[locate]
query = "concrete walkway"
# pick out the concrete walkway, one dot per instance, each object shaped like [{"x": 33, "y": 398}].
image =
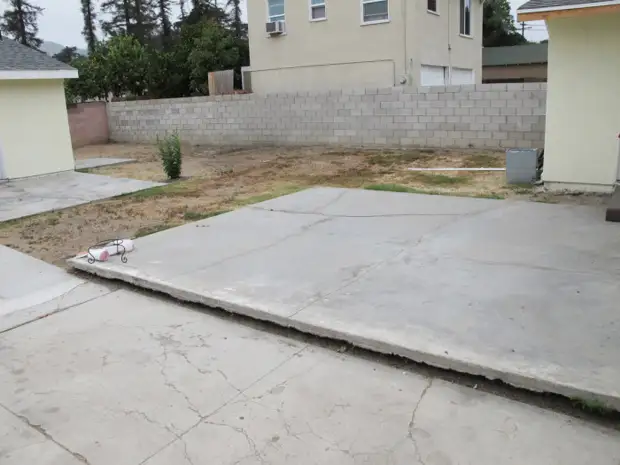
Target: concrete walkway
[
  {"x": 25, "y": 197},
  {"x": 524, "y": 292},
  {"x": 90, "y": 163},
  {"x": 130, "y": 379},
  {"x": 32, "y": 289}
]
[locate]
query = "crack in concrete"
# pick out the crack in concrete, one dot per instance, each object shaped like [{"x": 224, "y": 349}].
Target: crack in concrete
[
  {"x": 59, "y": 310},
  {"x": 411, "y": 425},
  {"x": 302, "y": 230},
  {"x": 331, "y": 202},
  {"x": 229, "y": 401},
  {"x": 327, "y": 215},
  {"x": 251, "y": 443},
  {"x": 41, "y": 430}
]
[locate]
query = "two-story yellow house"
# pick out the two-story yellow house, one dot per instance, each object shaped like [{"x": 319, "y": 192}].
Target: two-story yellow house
[{"x": 314, "y": 45}]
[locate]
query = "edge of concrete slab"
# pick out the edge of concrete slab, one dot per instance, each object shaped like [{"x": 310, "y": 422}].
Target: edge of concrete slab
[{"x": 440, "y": 360}]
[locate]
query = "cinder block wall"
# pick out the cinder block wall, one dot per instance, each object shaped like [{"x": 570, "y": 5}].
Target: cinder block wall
[
  {"x": 88, "y": 124},
  {"x": 482, "y": 115}
]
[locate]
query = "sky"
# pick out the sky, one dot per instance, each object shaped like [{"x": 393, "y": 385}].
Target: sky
[{"x": 61, "y": 22}]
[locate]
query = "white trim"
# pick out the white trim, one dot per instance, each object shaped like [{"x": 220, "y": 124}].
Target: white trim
[
  {"x": 311, "y": 6},
  {"x": 431, "y": 12},
  {"x": 570, "y": 7},
  {"x": 462, "y": 19},
  {"x": 378, "y": 21},
  {"x": 51, "y": 74}
]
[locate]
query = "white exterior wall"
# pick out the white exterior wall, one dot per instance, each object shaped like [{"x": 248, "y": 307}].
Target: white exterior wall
[
  {"x": 34, "y": 129},
  {"x": 342, "y": 53},
  {"x": 583, "y": 103},
  {"x": 435, "y": 39}
]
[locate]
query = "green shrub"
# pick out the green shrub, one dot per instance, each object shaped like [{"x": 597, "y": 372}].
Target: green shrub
[{"x": 170, "y": 153}]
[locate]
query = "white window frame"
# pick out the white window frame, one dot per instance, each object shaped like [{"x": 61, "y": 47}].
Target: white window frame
[
  {"x": 379, "y": 21},
  {"x": 311, "y": 7},
  {"x": 462, "y": 23},
  {"x": 269, "y": 16},
  {"x": 436, "y": 10}
]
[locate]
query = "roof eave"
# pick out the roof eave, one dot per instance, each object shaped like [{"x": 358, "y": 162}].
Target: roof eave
[
  {"x": 566, "y": 11},
  {"x": 13, "y": 75}
]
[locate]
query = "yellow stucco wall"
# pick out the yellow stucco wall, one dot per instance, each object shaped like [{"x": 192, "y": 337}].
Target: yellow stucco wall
[
  {"x": 583, "y": 102},
  {"x": 34, "y": 129},
  {"x": 340, "y": 52}
]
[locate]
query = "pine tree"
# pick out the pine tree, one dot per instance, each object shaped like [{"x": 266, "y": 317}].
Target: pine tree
[
  {"x": 145, "y": 20},
  {"x": 182, "y": 7},
  {"x": 237, "y": 22},
  {"x": 88, "y": 12},
  {"x": 120, "y": 15},
  {"x": 164, "y": 20},
  {"x": 131, "y": 17},
  {"x": 19, "y": 21}
]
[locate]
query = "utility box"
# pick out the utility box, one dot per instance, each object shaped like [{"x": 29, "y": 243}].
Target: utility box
[{"x": 523, "y": 166}]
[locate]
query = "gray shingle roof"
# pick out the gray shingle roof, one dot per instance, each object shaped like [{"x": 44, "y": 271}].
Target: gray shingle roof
[
  {"x": 536, "y": 4},
  {"x": 17, "y": 57},
  {"x": 515, "y": 55}
]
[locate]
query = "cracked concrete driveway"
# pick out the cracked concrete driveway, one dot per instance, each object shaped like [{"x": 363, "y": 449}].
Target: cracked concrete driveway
[
  {"x": 520, "y": 291},
  {"x": 131, "y": 379},
  {"x": 25, "y": 197}
]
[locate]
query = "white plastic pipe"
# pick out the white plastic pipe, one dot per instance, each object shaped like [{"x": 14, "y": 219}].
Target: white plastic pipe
[{"x": 456, "y": 169}]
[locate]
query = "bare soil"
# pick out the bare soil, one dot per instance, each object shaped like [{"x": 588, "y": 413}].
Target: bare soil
[{"x": 217, "y": 180}]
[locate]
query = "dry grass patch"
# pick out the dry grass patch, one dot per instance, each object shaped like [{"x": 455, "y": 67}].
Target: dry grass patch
[{"x": 219, "y": 181}]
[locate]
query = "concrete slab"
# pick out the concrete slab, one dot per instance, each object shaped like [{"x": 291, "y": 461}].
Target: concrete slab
[
  {"x": 523, "y": 292},
  {"x": 91, "y": 163},
  {"x": 32, "y": 289},
  {"x": 129, "y": 379},
  {"x": 20, "y": 443},
  {"x": 25, "y": 197}
]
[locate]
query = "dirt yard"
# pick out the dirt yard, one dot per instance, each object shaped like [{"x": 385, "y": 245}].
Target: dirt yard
[{"x": 218, "y": 180}]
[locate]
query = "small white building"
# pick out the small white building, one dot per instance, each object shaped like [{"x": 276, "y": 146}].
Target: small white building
[
  {"x": 582, "y": 149},
  {"x": 318, "y": 45},
  {"x": 34, "y": 128}
]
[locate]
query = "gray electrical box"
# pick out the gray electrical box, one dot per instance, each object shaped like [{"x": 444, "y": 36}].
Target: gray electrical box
[{"x": 523, "y": 166}]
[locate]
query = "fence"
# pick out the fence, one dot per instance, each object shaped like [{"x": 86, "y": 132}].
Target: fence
[
  {"x": 88, "y": 124},
  {"x": 482, "y": 115}
]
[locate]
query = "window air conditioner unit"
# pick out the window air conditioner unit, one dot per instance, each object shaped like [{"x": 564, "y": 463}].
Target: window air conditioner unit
[{"x": 275, "y": 28}]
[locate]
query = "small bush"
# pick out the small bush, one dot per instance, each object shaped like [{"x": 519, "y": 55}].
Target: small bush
[{"x": 170, "y": 153}]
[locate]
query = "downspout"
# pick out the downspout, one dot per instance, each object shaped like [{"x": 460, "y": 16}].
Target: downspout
[
  {"x": 449, "y": 43},
  {"x": 405, "y": 77}
]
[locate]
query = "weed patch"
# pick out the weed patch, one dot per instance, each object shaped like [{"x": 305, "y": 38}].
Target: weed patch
[
  {"x": 440, "y": 179},
  {"x": 483, "y": 160},
  {"x": 148, "y": 230},
  {"x": 197, "y": 216}
]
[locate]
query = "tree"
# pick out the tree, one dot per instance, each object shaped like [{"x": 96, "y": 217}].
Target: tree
[
  {"x": 164, "y": 21},
  {"x": 92, "y": 82},
  {"x": 67, "y": 54},
  {"x": 214, "y": 49},
  {"x": 145, "y": 20},
  {"x": 204, "y": 10},
  {"x": 126, "y": 65},
  {"x": 498, "y": 28},
  {"x": 119, "y": 14},
  {"x": 89, "y": 30},
  {"x": 237, "y": 22},
  {"x": 19, "y": 22}
]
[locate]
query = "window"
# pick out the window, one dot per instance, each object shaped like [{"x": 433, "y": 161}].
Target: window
[
  {"x": 465, "y": 17},
  {"x": 317, "y": 10},
  {"x": 374, "y": 11},
  {"x": 431, "y": 5},
  {"x": 276, "y": 10}
]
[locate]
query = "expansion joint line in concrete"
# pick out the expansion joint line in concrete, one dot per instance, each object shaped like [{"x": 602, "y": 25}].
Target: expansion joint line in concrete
[{"x": 41, "y": 430}]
